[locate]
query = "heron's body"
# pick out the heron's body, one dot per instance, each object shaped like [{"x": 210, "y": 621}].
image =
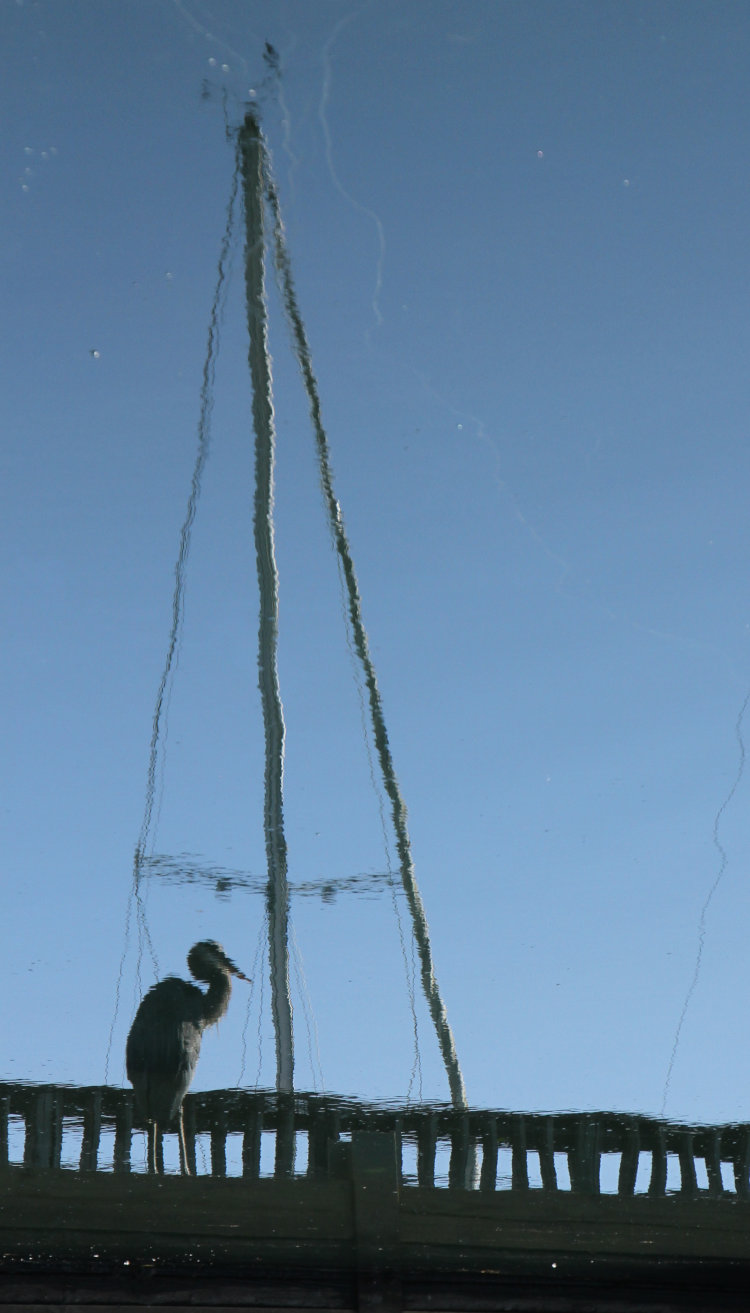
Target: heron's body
[{"x": 165, "y": 1038}]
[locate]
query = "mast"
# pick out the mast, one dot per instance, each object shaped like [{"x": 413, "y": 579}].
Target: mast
[
  {"x": 277, "y": 892},
  {"x": 355, "y": 617}
]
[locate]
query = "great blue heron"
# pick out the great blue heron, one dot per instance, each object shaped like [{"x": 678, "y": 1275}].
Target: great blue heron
[{"x": 165, "y": 1038}]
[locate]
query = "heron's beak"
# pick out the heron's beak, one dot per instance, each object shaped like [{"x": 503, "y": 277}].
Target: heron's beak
[{"x": 236, "y": 971}]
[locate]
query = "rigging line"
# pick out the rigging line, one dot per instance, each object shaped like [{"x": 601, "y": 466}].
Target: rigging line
[
  {"x": 144, "y": 937},
  {"x": 211, "y": 36},
  {"x": 277, "y": 897},
  {"x": 325, "y": 93},
  {"x": 250, "y": 1000},
  {"x": 341, "y": 544},
  {"x": 204, "y": 427},
  {"x": 226, "y": 260},
  {"x": 159, "y": 800},
  {"x": 308, "y": 1012},
  {"x": 417, "y": 1067},
  {"x": 178, "y": 596},
  {"x": 408, "y": 974},
  {"x": 275, "y": 66},
  {"x": 118, "y": 987},
  {"x": 723, "y": 863},
  {"x": 260, "y": 1014},
  {"x": 163, "y": 695}
]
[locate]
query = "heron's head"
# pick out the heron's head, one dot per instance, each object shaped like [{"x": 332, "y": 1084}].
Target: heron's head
[{"x": 208, "y": 957}]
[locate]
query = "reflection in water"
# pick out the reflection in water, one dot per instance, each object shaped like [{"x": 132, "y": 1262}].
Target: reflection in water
[
  {"x": 338, "y": 184},
  {"x": 723, "y": 860},
  {"x": 599, "y": 1202},
  {"x": 178, "y": 597},
  {"x": 253, "y": 164},
  {"x": 165, "y": 1039},
  {"x": 161, "y": 705},
  {"x": 190, "y": 868},
  {"x": 262, "y": 1133},
  {"x": 362, "y": 648},
  {"x": 277, "y": 897}
]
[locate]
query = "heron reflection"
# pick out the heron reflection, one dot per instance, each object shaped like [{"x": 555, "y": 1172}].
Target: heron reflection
[{"x": 165, "y": 1038}]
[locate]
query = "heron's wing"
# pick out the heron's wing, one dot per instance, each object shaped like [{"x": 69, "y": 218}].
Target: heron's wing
[{"x": 163, "y": 1047}]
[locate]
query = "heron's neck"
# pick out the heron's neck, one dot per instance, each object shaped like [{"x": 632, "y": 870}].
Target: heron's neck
[{"x": 216, "y": 998}]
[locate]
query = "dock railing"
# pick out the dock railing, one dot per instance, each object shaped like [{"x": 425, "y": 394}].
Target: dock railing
[{"x": 254, "y": 1133}]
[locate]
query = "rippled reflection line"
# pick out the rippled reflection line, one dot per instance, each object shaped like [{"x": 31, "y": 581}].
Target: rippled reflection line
[
  {"x": 341, "y": 544},
  {"x": 341, "y": 189},
  {"x": 308, "y": 1013},
  {"x": 723, "y": 863},
  {"x": 187, "y": 868},
  {"x": 251, "y": 996},
  {"x": 210, "y": 36},
  {"x": 260, "y": 1012},
  {"x": 178, "y": 596},
  {"x": 178, "y": 602},
  {"x": 286, "y": 127},
  {"x": 118, "y": 987},
  {"x": 409, "y": 975},
  {"x": 250, "y": 156}
]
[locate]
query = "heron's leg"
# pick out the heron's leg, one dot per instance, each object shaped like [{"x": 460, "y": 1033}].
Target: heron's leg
[
  {"x": 184, "y": 1165},
  {"x": 159, "y": 1137},
  {"x": 151, "y": 1152}
]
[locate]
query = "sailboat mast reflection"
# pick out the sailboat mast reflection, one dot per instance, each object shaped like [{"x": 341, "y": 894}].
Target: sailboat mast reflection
[
  {"x": 277, "y": 893},
  {"x": 258, "y": 179},
  {"x": 253, "y": 170}
]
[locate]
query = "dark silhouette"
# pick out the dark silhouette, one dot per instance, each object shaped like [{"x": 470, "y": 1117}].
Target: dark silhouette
[
  {"x": 272, "y": 58},
  {"x": 165, "y": 1038}
]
